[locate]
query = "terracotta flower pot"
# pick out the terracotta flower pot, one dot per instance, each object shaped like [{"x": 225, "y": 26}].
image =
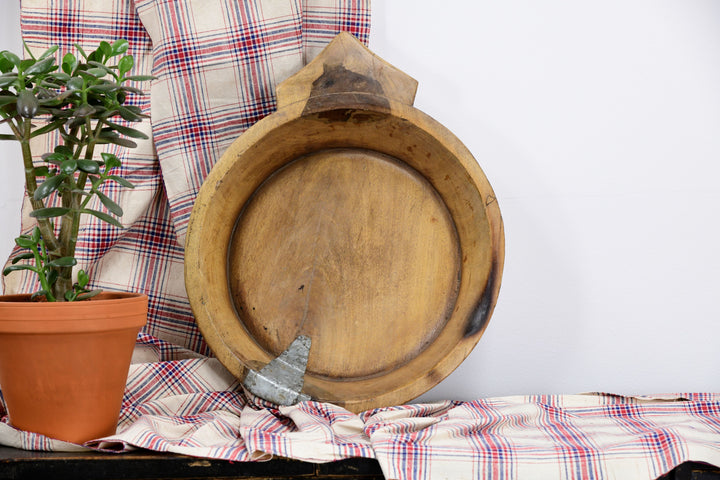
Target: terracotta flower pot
[{"x": 63, "y": 366}]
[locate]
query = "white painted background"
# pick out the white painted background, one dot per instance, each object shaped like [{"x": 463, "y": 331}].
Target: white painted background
[{"x": 598, "y": 125}]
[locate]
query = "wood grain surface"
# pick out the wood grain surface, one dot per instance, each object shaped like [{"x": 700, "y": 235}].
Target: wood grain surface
[{"x": 346, "y": 244}]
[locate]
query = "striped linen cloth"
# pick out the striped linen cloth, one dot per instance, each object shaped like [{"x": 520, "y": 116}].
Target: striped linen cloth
[
  {"x": 193, "y": 406},
  {"x": 218, "y": 62}
]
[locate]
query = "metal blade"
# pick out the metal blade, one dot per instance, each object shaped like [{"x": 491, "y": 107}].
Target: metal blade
[{"x": 281, "y": 380}]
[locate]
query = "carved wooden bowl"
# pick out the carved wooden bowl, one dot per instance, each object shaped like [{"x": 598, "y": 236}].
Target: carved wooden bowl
[{"x": 353, "y": 218}]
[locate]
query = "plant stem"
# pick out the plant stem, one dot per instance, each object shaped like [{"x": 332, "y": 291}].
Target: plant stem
[
  {"x": 42, "y": 277},
  {"x": 71, "y": 220},
  {"x": 45, "y": 225}
]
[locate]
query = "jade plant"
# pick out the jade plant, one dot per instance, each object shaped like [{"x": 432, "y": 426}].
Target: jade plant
[{"x": 79, "y": 102}]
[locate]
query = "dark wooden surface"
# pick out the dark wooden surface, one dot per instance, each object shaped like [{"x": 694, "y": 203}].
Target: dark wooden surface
[
  {"x": 695, "y": 471},
  {"x": 20, "y": 464}
]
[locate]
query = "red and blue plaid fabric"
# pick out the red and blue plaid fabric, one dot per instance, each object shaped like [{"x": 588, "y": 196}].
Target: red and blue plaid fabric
[
  {"x": 193, "y": 406},
  {"x": 218, "y": 62},
  {"x": 547, "y": 436}
]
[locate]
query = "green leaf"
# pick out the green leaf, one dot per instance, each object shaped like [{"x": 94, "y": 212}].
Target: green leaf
[
  {"x": 87, "y": 295},
  {"x": 49, "y": 83},
  {"x": 39, "y": 293},
  {"x": 7, "y": 99},
  {"x": 9, "y": 80},
  {"x": 52, "y": 277},
  {"x": 88, "y": 77},
  {"x": 84, "y": 110},
  {"x": 5, "y": 64},
  {"x": 106, "y": 49},
  {"x": 43, "y": 66},
  {"x": 64, "y": 150},
  {"x": 97, "y": 72},
  {"x": 62, "y": 262},
  {"x": 83, "y": 278},
  {"x": 15, "y": 268},
  {"x": 49, "y": 212},
  {"x": 58, "y": 114},
  {"x": 26, "y": 63},
  {"x": 46, "y": 95},
  {"x": 96, "y": 55},
  {"x": 134, "y": 90},
  {"x": 103, "y": 216},
  {"x": 75, "y": 83},
  {"x": 125, "y": 64},
  {"x": 61, "y": 77},
  {"x": 121, "y": 181},
  {"x": 11, "y": 57},
  {"x": 42, "y": 171},
  {"x": 27, "y": 49},
  {"x": 49, "y": 52},
  {"x": 123, "y": 142},
  {"x": 56, "y": 158},
  {"x": 110, "y": 204},
  {"x": 111, "y": 161},
  {"x": 24, "y": 241},
  {"x": 141, "y": 78},
  {"x": 100, "y": 111},
  {"x": 69, "y": 63},
  {"x": 50, "y": 127},
  {"x": 69, "y": 138},
  {"x": 104, "y": 87},
  {"x": 7, "y": 136},
  {"x": 100, "y": 65},
  {"x": 119, "y": 47},
  {"x": 35, "y": 235},
  {"x": 130, "y": 115},
  {"x": 68, "y": 167},
  {"x": 88, "y": 166},
  {"x": 23, "y": 256},
  {"x": 130, "y": 132},
  {"x": 48, "y": 186},
  {"x": 82, "y": 52},
  {"x": 74, "y": 122}
]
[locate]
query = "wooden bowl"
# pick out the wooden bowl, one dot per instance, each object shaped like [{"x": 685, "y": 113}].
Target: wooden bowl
[{"x": 353, "y": 218}]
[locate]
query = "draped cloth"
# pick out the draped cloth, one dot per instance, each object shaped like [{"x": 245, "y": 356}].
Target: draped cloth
[{"x": 217, "y": 63}]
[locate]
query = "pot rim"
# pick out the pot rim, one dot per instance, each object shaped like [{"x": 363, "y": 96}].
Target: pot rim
[
  {"x": 123, "y": 310},
  {"x": 103, "y": 297}
]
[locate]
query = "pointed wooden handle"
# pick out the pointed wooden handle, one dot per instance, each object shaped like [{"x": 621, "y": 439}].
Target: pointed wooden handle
[{"x": 346, "y": 73}]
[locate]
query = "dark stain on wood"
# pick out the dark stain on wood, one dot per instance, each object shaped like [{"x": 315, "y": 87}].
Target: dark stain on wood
[
  {"x": 481, "y": 314},
  {"x": 338, "y": 85}
]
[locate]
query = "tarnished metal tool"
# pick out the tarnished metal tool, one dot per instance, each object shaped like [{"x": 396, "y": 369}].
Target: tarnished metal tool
[{"x": 281, "y": 380}]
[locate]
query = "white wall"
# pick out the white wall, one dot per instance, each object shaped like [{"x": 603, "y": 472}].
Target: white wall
[
  {"x": 598, "y": 125},
  {"x": 11, "y": 176}
]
